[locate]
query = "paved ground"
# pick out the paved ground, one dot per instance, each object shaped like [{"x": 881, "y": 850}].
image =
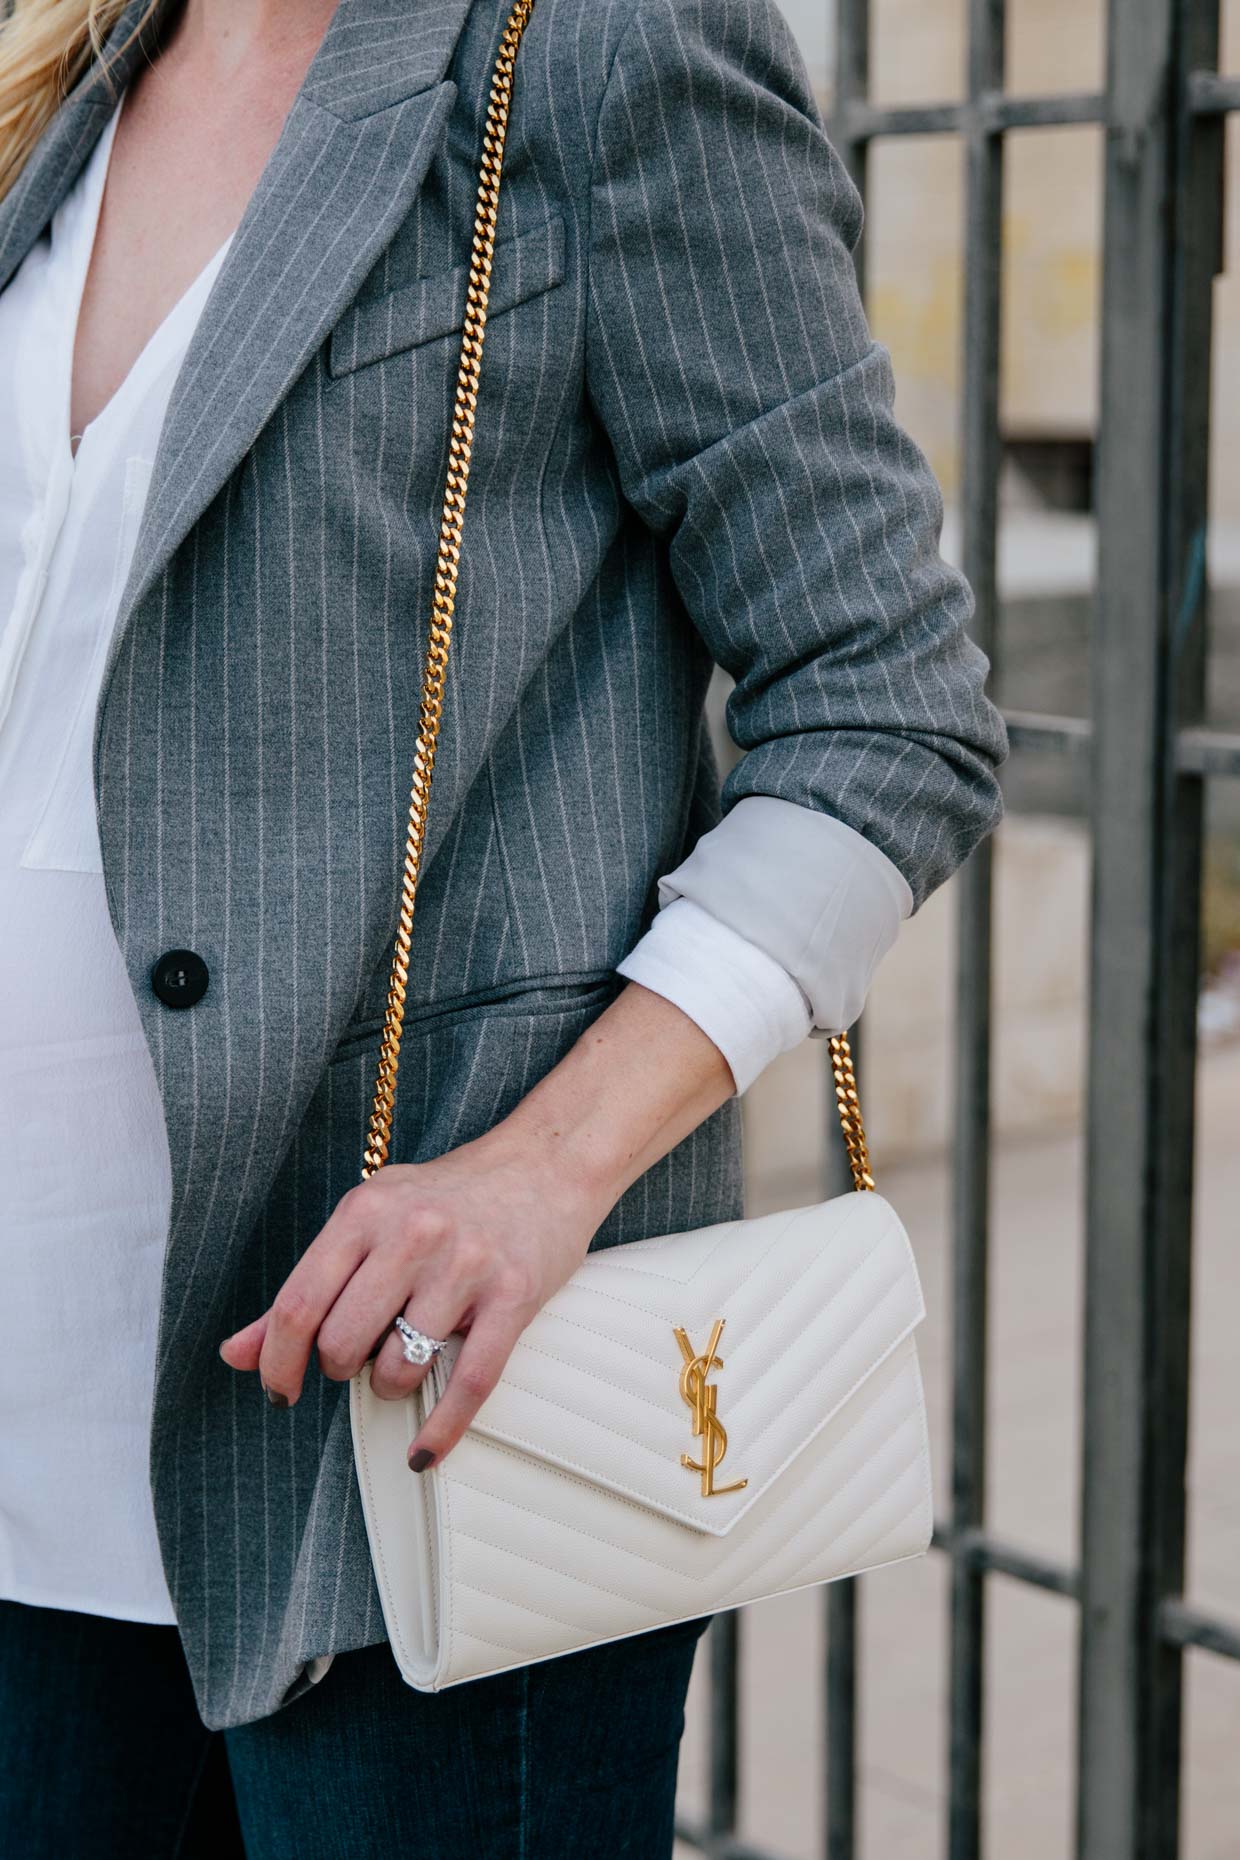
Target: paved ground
[{"x": 1035, "y": 1378}]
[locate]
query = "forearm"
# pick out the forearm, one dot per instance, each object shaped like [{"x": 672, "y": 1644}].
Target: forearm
[{"x": 640, "y": 1078}]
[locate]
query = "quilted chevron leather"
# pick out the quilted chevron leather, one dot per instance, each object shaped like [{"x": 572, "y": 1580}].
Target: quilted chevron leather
[{"x": 565, "y": 1517}]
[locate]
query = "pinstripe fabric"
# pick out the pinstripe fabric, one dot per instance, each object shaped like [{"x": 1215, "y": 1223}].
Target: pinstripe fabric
[{"x": 686, "y": 449}]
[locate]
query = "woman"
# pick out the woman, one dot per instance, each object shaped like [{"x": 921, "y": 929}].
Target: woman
[{"x": 225, "y": 387}]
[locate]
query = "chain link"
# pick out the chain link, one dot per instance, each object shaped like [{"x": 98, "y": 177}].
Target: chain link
[
  {"x": 434, "y": 676},
  {"x": 849, "y": 1107}
]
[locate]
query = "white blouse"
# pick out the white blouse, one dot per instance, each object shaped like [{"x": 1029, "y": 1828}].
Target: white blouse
[{"x": 84, "y": 1170}]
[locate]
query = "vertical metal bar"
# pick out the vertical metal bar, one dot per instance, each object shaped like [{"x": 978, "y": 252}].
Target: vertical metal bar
[
  {"x": 971, "y": 1148},
  {"x": 1196, "y": 255},
  {"x": 1147, "y": 674},
  {"x": 852, "y": 86},
  {"x": 840, "y": 1808},
  {"x": 724, "y": 1641},
  {"x": 841, "y": 1600}
]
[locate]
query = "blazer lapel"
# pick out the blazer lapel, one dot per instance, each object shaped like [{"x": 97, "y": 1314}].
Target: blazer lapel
[{"x": 353, "y": 152}]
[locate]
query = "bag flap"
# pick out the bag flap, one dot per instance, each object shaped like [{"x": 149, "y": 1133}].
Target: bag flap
[{"x": 601, "y": 1387}]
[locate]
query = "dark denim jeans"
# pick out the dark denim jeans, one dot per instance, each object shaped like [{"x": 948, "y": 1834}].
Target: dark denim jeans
[{"x": 103, "y": 1754}]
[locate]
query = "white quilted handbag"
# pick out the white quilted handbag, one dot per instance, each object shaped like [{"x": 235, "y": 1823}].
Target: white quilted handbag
[
  {"x": 589, "y": 1498},
  {"x": 568, "y": 1513}
]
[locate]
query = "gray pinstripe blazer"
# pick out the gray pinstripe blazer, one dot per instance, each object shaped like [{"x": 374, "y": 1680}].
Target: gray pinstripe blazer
[{"x": 686, "y": 451}]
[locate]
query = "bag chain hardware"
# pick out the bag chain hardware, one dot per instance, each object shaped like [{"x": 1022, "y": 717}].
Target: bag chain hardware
[{"x": 440, "y": 634}]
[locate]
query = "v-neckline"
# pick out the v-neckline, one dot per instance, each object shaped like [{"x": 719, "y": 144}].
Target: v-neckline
[{"x": 156, "y": 343}]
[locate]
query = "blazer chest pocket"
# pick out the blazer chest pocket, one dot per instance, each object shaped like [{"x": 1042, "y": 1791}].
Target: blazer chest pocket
[{"x": 522, "y": 267}]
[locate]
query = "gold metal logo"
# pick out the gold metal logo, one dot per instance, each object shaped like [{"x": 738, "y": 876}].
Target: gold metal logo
[{"x": 700, "y": 1396}]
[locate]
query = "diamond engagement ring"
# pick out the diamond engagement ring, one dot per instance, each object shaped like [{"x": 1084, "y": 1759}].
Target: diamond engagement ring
[{"x": 416, "y": 1346}]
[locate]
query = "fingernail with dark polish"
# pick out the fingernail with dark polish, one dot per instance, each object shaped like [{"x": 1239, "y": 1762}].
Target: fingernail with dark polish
[
  {"x": 419, "y": 1461},
  {"x": 275, "y": 1398}
]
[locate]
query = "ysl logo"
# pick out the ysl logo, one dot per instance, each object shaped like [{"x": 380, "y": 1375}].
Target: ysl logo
[{"x": 700, "y": 1396}]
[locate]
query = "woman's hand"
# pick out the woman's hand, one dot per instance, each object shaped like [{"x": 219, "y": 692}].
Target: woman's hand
[
  {"x": 479, "y": 1239},
  {"x": 475, "y": 1241}
]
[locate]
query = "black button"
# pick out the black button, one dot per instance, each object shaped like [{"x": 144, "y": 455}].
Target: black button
[{"x": 180, "y": 978}]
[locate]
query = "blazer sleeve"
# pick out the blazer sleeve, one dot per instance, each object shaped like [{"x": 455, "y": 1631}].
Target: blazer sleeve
[{"x": 751, "y": 415}]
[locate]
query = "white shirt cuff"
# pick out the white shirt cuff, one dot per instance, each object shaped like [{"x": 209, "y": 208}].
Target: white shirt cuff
[
  {"x": 812, "y": 893},
  {"x": 738, "y": 995}
]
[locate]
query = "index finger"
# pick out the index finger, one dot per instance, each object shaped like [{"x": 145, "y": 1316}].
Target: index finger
[
  {"x": 303, "y": 1301},
  {"x": 487, "y": 1347}
]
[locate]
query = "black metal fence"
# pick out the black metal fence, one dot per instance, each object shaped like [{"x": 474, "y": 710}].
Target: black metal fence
[{"x": 1147, "y": 754}]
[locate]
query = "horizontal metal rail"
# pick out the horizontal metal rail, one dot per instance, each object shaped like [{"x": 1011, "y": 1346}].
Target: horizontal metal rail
[
  {"x": 1210, "y": 94},
  {"x": 981, "y": 1550},
  {"x": 989, "y": 114},
  {"x": 1031, "y": 730},
  {"x": 994, "y": 112},
  {"x": 1183, "y": 1626},
  {"x": 1199, "y": 750},
  {"x": 1180, "y": 1624}
]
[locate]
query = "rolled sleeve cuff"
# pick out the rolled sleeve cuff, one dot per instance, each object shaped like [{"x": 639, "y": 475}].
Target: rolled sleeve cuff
[
  {"x": 807, "y": 890},
  {"x": 738, "y": 995}
]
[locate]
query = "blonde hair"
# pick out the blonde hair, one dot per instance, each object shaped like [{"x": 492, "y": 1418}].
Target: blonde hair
[{"x": 45, "y": 46}]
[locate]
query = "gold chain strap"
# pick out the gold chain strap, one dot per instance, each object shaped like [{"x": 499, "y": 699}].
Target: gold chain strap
[
  {"x": 446, "y": 564},
  {"x": 435, "y": 669},
  {"x": 849, "y": 1107}
]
